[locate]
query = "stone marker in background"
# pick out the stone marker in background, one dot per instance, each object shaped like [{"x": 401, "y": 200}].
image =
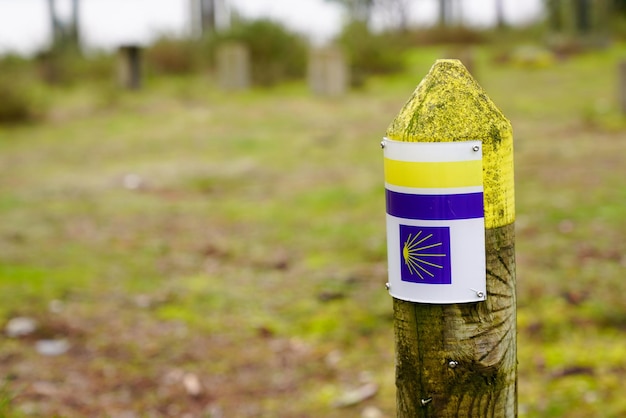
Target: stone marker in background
[
  {"x": 328, "y": 72},
  {"x": 129, "y": 66},
  {"x": 233, "y": 67}
]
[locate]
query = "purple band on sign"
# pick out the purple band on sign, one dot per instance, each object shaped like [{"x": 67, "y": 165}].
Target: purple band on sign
[{"x": 435, "y": 207}]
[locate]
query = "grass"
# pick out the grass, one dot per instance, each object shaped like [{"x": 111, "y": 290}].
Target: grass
[{"x": 181, "y": 232}]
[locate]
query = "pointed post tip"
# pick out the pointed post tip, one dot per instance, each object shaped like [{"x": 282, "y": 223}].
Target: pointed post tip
[
  {"x": 450, "y": 68},
  {"x": 449, "y": 105}
]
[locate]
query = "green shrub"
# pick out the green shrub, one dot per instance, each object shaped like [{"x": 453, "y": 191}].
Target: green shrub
[
  {"x": 18, "y": 104},
  {"x": 458, "y": 35},
  {"x": 20, "y": 93},
  {"x": 68, "y": 67},
  {"x": 618, "y": 27},
  {"x": 371, "y": 53},
  {"x": 276, "y": 54},
  {"x": 96, "y": 67},
  {"x": 169, "y": 55},
  {"x": 12, "y": 64}
]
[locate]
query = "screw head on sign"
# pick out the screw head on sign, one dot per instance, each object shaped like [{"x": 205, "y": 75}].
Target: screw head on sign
[
  {"x": 382, "y": 144},
  {"x": 387, "y": 286},
  {"x": 476, "y": 148}
]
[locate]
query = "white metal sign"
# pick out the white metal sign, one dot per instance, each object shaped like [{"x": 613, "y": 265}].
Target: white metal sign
[{"x": 435, "y": 221}]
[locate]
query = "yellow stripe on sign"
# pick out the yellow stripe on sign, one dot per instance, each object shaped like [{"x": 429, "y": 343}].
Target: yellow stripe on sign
[{"x": 434, "y": 174}]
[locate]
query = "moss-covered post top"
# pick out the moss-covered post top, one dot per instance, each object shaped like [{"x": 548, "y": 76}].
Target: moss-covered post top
[{"x": 449, "y": 105}]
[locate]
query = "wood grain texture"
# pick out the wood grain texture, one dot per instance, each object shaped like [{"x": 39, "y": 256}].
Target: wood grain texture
[{"x": 480, "y": 338}]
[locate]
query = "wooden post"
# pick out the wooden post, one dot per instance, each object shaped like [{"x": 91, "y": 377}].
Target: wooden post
[
  {"x": 233, "y": 67},
  {"x": 460, "y": 359},
  {"x": 328, "y": 72},
  {"x": 129, "y": 66}
]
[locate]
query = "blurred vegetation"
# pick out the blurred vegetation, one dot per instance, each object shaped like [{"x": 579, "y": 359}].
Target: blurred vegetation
[
  {"x": 66, "y": 67},
  {"x": 17, "y": 104},
  {"x": 19, "y": 98},
  {"x": 179, "y": 232},
  {"x": 170, "y": 55},
  {"x": 618, "y": 27},
  {"x": 279, "y": 55},
  {"x": 446, "y": 35},
  {"x": 370, "y": 53},
  {"x": 276, "y": 53}
]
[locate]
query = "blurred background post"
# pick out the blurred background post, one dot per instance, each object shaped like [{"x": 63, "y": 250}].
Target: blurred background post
[{"x": 129, "y": 66}]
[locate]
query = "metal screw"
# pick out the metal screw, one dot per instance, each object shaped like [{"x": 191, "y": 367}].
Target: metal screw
[
  {"x": 480, "y": 294},
  {"x": 382, "y": 144},
  {"x": 476, "y": 148},
  {"x": 425, "y": 402},
  {"x": 387, "y": 285},
  {"x": 452, "y": 364}
]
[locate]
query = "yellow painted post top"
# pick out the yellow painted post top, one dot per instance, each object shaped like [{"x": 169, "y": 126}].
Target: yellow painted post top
[{"x": 449, "y": 105}]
